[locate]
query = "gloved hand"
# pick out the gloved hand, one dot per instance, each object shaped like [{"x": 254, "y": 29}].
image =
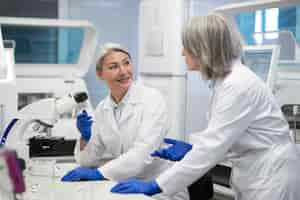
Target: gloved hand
[
  {"x": 84, "y": 124},
  {"x": 175, "y": 152},
  {"x": 136, "y": 186},
  {"x": 82, "y": 173}
]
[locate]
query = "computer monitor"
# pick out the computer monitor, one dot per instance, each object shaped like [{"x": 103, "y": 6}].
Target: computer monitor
[{"x": 262, "y": 60}]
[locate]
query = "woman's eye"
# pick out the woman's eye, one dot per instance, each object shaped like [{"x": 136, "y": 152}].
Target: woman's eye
[
  {"x": 112, "y": 67},
  {"x": 127, "y": 62}
]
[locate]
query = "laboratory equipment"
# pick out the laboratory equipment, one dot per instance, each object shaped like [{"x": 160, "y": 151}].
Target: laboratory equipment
[
  {"x": 263, "y": 61},
  {"x": 45, "y": 119},
  {"x": 8, "y": 89},
  {"x": 52, "y": 56},
  {"x": 38, "y": 143},
  {"x": 10, "y": 174},
  {"x": 11, "y": 177},
  {"x": 288, "y": 83}
]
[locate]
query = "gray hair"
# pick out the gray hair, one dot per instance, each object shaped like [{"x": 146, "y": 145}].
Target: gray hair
[
  {"x": 214, "y": 42},
  {"x": 106, "y": 49}
]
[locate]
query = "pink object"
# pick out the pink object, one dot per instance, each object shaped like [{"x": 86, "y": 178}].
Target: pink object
[{"x": 14, "y": 171}]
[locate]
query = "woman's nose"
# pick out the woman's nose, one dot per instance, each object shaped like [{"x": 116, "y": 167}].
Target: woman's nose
[{"x": 122, "y": 69}]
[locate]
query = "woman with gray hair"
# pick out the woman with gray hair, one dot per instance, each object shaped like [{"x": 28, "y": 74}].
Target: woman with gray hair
[{"x": 246, "y": 125}]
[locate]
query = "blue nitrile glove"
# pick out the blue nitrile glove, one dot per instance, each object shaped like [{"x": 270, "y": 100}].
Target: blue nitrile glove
[
  {"x": 175, "y": 152},
  {"x": 84, "y": 124},
  {"x": 82, "y": 174},
  {"x": 136, "y": 186}
]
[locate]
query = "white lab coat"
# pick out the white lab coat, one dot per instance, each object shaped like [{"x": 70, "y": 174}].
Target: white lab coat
[
  {"x": 247, "y": 126},
  {"x": 122, "y": 150}
]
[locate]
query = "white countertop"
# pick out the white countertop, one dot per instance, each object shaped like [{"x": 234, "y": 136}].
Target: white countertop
[{"x": 51, "y": 188}]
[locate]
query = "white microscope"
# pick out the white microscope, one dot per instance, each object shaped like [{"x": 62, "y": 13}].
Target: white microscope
[
  {"x": 11, "y": 178},
  {"x": 41, "y": 121},
  {"x": 37, "y": 93},
  {"x": 43, "y": 77}
]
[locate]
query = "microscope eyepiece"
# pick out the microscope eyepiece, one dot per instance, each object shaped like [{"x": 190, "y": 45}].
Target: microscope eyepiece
[{"x": 80, "y": 97}]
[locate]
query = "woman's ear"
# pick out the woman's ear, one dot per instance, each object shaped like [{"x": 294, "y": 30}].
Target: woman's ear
[{"x": 99, "y": 73}]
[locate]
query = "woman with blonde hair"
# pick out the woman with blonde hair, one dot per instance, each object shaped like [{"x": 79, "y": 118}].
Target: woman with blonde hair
[{"x": 127, "y": 126}]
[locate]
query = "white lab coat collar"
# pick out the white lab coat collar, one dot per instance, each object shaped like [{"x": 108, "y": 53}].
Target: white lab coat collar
[
  {"x": 123, "y": 101},
  {"x": 130, "y": 97}
]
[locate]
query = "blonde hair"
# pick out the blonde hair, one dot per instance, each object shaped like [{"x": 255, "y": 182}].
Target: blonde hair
[
  {"x": 106, "y": 49},
  {"x": 214, "y": 42}
]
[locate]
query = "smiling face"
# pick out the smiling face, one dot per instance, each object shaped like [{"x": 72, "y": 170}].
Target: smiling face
[{"x": 117, "y": 72}]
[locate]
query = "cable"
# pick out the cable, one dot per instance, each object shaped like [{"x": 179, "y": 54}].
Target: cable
[
  {"x": 7, "y": 130},
  {"x": 295, "y": 113}
]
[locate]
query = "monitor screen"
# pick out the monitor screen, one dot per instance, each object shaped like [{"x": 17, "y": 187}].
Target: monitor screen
[
  {"x": 259, "y": 61},
  {"x": 48, "y": 45}
]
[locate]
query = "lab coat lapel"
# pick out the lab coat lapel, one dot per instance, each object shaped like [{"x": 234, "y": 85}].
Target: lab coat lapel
[
  {"x": 133, "y": 100},
  {"x": 114, "y": 124},
  {"x": 126, "y": 113},
  {"x": 108, "y": 107},
  {"x": 111, "y": 134}
]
